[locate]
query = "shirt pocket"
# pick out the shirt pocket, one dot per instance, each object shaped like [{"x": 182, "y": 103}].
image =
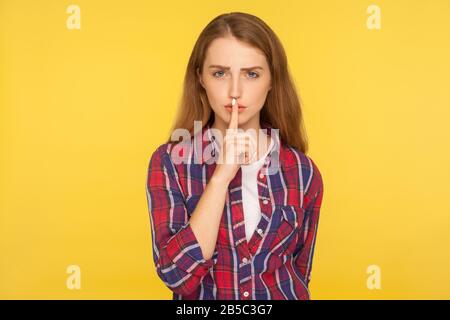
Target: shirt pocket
[{"x": 282, "y": 236}]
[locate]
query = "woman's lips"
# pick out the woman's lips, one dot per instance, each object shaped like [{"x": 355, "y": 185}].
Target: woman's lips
[
  {"x": 239, "y": 105},
  {"x": 240, "y": 108}
]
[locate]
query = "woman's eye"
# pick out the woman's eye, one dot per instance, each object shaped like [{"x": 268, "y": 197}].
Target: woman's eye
[
  {"x": 253, "y": 74},
  {"x": 220, "y": 74},
  {"x": 215, "y": 73}
]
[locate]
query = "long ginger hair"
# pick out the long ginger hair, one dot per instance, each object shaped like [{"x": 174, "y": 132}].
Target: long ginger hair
[{"x": 282, "y": 108}]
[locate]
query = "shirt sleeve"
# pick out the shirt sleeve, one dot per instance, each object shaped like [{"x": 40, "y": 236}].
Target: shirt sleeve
[
  {"x": 176, "y": 252},
  {"x": 312, "y": 201}
]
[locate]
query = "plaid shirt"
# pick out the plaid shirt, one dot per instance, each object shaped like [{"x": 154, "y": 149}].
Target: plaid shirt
[{"x": 276, "y": 262}]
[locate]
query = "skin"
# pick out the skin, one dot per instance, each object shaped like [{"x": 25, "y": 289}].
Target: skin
[
  {"x": 249, "y": 87},
  {"x": 221, "y": 86}
]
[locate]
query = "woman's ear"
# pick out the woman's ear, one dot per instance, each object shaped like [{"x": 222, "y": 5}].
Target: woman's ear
[{"x": 200, "y": 77}]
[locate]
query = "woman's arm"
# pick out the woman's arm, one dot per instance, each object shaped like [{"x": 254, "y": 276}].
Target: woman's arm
[
  {"x": 180, "y": 246},
  {"x": 205, "y": 219},
  {"x": 312, "y": 201},
  {"x": 182, "y": 249}
]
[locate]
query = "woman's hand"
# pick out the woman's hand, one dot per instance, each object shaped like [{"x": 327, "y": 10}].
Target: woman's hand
[{"x": 237, "y": 148}]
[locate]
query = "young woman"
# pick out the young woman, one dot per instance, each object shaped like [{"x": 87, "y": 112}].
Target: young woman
[{"x": 234, "y": 206}]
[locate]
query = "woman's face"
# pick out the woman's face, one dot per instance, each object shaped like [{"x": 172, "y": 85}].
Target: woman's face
[{"x": 235, "y": 69}]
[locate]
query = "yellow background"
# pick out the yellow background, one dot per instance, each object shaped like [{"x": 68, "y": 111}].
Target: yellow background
[{"x": 83, "y": 110}]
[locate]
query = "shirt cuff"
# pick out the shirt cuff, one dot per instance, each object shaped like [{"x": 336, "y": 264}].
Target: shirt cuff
[{"x": 184, "y": 250}]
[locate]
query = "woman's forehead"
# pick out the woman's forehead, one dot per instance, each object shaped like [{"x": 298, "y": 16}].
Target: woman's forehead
[{"x": 229, "y": 51}]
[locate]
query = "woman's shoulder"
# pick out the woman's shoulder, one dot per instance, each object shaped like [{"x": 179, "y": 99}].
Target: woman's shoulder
[
  {"x": 305, "y": 166},
  {"x": 158, "y": 155},
  {"x": 163, "y": 148}
]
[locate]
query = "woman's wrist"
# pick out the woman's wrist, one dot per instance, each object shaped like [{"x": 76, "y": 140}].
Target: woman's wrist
[{"x": 219, "y": 179}]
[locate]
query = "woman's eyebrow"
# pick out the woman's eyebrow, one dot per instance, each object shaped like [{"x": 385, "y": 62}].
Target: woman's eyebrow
[{"x": 228, "y": 68}]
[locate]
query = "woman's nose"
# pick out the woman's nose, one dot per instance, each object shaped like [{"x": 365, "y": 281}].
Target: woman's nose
[{"x": 235, "y": 87}]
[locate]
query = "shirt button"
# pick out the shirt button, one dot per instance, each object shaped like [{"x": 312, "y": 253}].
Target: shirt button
[
  {"x": 244, "y": 260},
  {"x": 266, "y": 201},
  {"x": 259, "y": 231},
  {"x": 246, "y": 294}
]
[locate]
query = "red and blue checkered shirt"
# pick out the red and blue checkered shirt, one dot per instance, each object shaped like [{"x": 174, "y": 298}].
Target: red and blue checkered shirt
[{"x": 276, "y": 262}]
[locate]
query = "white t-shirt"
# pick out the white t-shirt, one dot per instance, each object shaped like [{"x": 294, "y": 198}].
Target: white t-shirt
[{"x": 250, "y": 201}]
